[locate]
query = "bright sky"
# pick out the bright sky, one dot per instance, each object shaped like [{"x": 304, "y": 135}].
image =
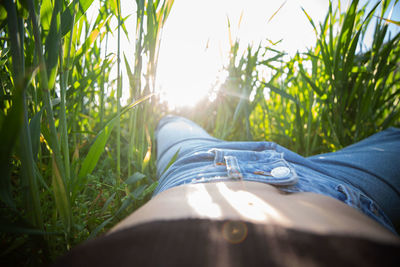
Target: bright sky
[{"x": 195, "y": 40}]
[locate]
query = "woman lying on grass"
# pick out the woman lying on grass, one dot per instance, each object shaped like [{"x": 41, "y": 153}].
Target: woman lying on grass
[{"x": 222, "y": 203}]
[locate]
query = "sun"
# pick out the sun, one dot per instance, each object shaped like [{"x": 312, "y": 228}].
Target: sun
[
  {"x": 186, "y": 73},
  {"x": 178, "y": 97}
]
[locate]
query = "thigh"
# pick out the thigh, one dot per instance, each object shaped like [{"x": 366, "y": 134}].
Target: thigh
[
  {"x": 177, "y": 134},
  {"x": 372, "y": 165}
]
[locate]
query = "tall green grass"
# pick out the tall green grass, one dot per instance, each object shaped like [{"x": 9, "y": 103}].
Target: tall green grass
[
  {"x": 59, "y": 109},
  {"x": 336, "y": 93}
]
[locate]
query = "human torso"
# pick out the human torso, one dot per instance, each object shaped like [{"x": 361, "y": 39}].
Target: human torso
[{"x": 258, "y": 203}]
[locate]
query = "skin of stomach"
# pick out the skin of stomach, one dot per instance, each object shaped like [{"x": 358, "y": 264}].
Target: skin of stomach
[{"x": 258, "y": 203}]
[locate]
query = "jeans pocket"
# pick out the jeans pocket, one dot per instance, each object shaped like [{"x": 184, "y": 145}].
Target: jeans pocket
[
  {"x": 363, "y": 203},
  {"x": 267, "y": 166}
]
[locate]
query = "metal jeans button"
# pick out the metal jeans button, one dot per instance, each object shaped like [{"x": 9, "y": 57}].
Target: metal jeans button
[{"x": 280, "y": 172}]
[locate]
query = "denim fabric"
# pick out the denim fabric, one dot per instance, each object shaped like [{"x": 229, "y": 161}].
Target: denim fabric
[{"x": 361, "y": 175}]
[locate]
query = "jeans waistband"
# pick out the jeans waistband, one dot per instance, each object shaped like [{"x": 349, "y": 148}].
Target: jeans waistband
[{"x": 264, "y": 162}]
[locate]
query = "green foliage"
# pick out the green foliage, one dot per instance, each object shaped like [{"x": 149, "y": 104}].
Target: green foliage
[
  {"x": 322, "y": 100},
  {"x": 59, "y": 109}
]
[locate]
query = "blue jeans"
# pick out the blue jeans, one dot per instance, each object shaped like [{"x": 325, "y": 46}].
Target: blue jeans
[{"x": 365, "y": 175}]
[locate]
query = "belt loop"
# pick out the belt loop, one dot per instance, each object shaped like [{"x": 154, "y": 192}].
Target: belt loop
[
  {"x": 218, "y": 156},
  {"x": 232, "y": 167}
]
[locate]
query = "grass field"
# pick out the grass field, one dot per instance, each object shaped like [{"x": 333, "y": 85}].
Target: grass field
[{"x": 75, "y": 161}]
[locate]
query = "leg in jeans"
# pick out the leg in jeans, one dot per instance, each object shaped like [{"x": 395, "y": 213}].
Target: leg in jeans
[
  {"x": 177, "y": 133},
  {"x": 372, "y": 165}
]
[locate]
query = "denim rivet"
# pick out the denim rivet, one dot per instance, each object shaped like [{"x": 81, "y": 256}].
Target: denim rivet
[
  {"x": 374, "y": 209},
  {"x": 280, "y": 172}
]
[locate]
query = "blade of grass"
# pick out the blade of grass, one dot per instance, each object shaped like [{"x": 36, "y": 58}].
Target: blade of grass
[
  {"x": 70, "y": 15},
  {"x": 63, "y": 116},
  {"x": 28, "y": 173},
  {"x": 52, "y": 45},
  {"x": 282, "y": 93},
  {"x": 276, "y": 12},
  {"x": 173, "y": 159},
  {"x": 45, "y": 86},
  {"x": 119, "y": 95},
  {"x": 97, "y": 147},
  {"x": 13, "y": 121},
  {"x": 61, "y": 198},
  {"x": 146, "y": 158}
]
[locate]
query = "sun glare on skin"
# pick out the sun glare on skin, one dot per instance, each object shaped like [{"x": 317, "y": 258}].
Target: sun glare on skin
[
  {"x": 200, "y": 200},
  {"x": 250, "y": 206}
]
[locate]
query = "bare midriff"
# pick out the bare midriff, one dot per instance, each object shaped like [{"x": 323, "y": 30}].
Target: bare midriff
[{"x": 258, "y": 203}]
